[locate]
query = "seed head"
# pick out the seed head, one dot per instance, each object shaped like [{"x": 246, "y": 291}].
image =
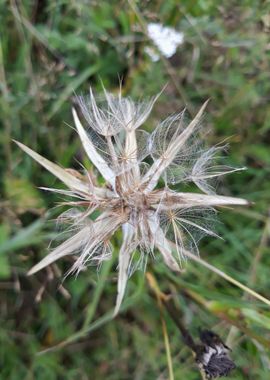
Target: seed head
[
  {"x": 150, "y": 217},
  {"x": 213, "y": 356}
]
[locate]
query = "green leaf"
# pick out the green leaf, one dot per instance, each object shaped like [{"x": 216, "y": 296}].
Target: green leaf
[
  {"x": 257, "y": 318},
  {"x": 71, "y": 87},
  {"x": 23, "y": 195},
  {"x": 4, "y": 263},
  {"x": 25, "y": 237}
]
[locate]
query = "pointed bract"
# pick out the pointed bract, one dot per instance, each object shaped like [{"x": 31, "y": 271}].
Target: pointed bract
[
  {"x": 69, "y": 180},
  {"x": 151, "y": 178},
  {"x": 125, "y": 254},
  {"x": 91, "y": 152},
  {"x": 68, "y": 247}
]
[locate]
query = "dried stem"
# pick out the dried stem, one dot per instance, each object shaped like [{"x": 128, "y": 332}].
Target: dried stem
[
  {"x": 166, "y": 301},
  {"x": 211, "y": 354},
  {"x": 175, "y": 315}
]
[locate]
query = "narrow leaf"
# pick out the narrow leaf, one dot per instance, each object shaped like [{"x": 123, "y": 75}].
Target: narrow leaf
[{"x": 224, "y": 275}]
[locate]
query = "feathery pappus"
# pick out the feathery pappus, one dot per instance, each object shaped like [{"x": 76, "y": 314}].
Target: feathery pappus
[{"x": 132, "y": 162}]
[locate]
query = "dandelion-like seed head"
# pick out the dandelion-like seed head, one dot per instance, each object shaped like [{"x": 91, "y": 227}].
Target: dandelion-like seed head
[{"x": 151, "y": 218}]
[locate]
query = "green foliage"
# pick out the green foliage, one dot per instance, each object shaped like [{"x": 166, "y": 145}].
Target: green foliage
[{"x": 51, "y": 50}]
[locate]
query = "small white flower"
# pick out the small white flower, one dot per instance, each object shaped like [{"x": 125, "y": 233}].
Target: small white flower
[
  {"x": 167, "y": 40},
  {"x": 150, "y": 217}
]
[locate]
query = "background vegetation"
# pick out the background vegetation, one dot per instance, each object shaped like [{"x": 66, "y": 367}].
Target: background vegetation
[{"x": 51, "y": 49}]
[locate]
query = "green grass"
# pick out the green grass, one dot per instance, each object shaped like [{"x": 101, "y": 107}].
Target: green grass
[{"x": 51, "y": 50}]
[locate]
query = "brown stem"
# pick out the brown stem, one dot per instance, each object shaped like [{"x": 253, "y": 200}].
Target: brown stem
[{"x": 176, "y": 317}]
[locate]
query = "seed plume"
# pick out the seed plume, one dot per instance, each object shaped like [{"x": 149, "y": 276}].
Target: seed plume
[{"x": 132, "y": 163}]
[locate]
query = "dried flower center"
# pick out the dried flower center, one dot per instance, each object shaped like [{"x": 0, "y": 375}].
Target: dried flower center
[{"x": 136, "y": 201}]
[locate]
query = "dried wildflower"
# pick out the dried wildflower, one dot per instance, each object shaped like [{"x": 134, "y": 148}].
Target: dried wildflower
[
  {"x": 213, "y": 357},
  {"x": 150, "y": 217}
]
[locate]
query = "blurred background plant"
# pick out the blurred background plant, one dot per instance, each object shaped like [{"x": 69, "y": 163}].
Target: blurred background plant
[{"x": 48, "y": 51}]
